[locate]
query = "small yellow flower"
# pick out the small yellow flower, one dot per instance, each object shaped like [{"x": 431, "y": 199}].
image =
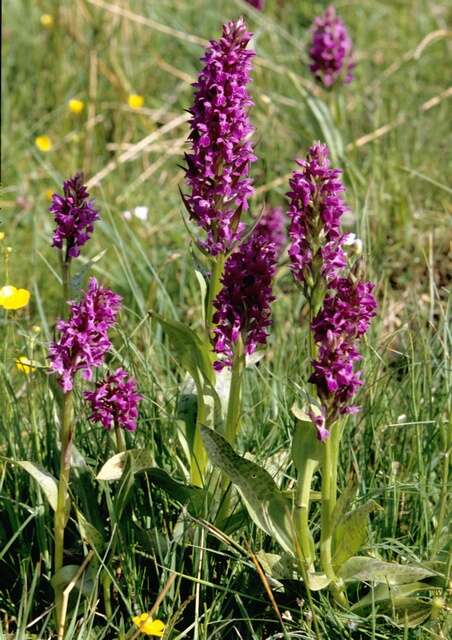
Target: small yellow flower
[
  {"x": 44, "y": 143},
  {"x": 9, "y": 249},
  {"x": 135, "y": 101},
  {"x": 12, "y": 298},
  {"x": 36, "y": 328},
  {"x": 2, "y": 235},
  {"x": 25, "y": 365},
  {"x": 48, "y": 193},
  {"x": 46, "y": 20},
  {"x": 76, "y": 106},
  {"x": 148, "y": 626}
]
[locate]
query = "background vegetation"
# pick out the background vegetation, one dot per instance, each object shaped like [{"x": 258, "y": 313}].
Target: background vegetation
[{"x": 389, "y": 131}]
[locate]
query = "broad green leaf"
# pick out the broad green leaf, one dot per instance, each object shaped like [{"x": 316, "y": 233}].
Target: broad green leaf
[
  {"x": 86, "y": 582},
  {"x": 46, "y": 481},
  {"x": 88, "y": 532},
  {"x": 362, "y": 569},
  {"x": 351, "y": 533},
  {"x": 410, "y": 612},
  {"x": 317, "y": 581},
  {"x": 264, "y": 501},
  {"x": 306, "y": 448},
  {"x": 193, "y": 353},
  {"x": 384, "y": 593},
  {"x": 343, "y": 504},
  {"x": 184, "y": 493},
  {"x": 113, "y": 469}
]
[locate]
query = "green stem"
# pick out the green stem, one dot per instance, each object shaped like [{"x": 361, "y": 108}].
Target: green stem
[
  {"x": 217, "y": 267},
  {"x": 326, "y": 532},
  {"x": 302, "y": 500},
  {"x": 235, "y": 393},
  {"x": 66, "y": 278},
  {"x": 198, "y": 460},
  {"x": 232, "y": 420},
  {"x": 63, "y": 484},
  {"x": 329, "y": 493},
  {"x": 120, "y": 442}
]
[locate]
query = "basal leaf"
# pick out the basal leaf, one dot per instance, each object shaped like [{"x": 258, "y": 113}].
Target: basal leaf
[
  {"x": 186, "y": 494},
  {"x": 363, "y": 569},
  {"x": 351, "y": 533},
  {"x": 86, "y": 582},
  {"x": 264, "y": 501},
  {"x": 384, "y": 593},
  {"x": 89, "y": 533},
  {"x": 45, "y": 480},
  {"x": 113, "y": 469}
]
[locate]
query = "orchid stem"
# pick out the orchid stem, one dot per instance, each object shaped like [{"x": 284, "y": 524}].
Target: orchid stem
[
  {"x": 302, "y": 500},
  {"x": 63, "y": 484},
  {"x": 217, "y": 264},
  {"x": 198, "y": 456},
  {"x": 235, "y": 393},
  {"x": 329, "y": 493}
]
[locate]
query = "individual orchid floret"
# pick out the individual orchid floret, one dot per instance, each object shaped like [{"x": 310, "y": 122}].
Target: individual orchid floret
[
  {"x": 114, "y": 403},
  {"x": 83, "y": 339},
  {"x": 344, "y": 319},
  {"x": 218, "y": 165},
  {"x": 331, "y": 50},
  {"x": 243, "y": 304},
  {"x": 74, "y": 215},
  {"x": 316, "y": 207}
]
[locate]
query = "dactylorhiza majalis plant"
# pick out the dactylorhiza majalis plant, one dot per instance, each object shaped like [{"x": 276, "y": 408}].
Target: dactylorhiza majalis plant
[
  {"x": 217, "y": 173},
  {"x": 331, "y": 50},
  {"x": 81, "y": 345},
  {"x": 341, "y": 306},
  {"x": 218, "y": 165}
]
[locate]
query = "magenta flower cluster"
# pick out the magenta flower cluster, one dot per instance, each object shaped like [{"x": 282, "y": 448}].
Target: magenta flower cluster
[
  {"x": 316, "y": 207},
  {"x": 74, "y": 215},
  {"x": 114, "y": 402},
  {"x": 83, "y": 338},
  {"x": 344, "y": 319},
  {"x": 243, "y": 304},
  {"x": 331, "y": 50},
  {"x": 344, "y": 305},
  {"x": 218, "y": 166}
]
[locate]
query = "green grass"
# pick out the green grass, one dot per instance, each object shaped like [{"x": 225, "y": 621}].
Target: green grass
[{"x": 397, "y": 188}]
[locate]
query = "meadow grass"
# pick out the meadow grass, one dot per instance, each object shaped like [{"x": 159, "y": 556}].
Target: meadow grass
[{"x": 390, "y": 132}]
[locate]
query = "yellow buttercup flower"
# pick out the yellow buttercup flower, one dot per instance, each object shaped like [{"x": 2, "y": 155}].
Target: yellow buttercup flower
[
  {"x": 76, "y": 106},
  {"x": 135, "y": 101},
  {"x": 2, "y": 235},
  {"x": 48, "y": 194},
  {"x": 46, "y": 20},
  {"x": 12, "y": 298},
  {"x": 148, "y": 626},
  {"x": 44, "y": 143},
  {"x": 25, "y": 365}
]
